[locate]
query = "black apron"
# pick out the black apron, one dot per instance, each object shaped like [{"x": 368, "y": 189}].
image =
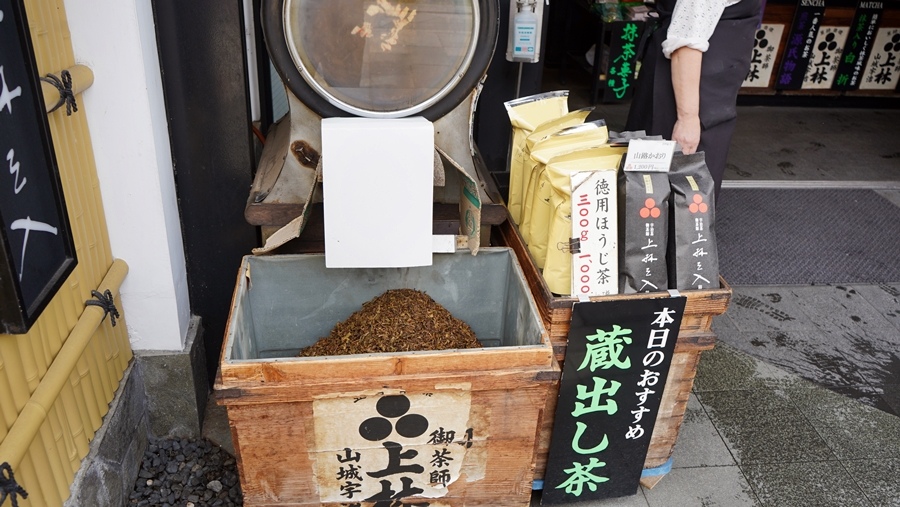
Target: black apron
[{"x": 724, "y": 68}]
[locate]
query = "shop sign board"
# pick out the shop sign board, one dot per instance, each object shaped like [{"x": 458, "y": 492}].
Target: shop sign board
[
  {"x": 799, "y": 45},
  {"x": 765, "y": 46},
  {"x": 36, "y": 246},
  {"x": 625, "y": 37},
  {"x": 825, "y": 57},
  {"x": 883, "y": 70},
  {"x": 851, "y": 68},
  {"x": 616, "y": 365}
]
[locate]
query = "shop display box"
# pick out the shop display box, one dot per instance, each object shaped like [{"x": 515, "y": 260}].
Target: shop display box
[
  {"x": 694, "y": 336},
  {"x": 450, "y": 428}
]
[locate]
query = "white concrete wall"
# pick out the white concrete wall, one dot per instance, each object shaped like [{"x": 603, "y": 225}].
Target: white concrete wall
[{"x": 127, "y": 119}]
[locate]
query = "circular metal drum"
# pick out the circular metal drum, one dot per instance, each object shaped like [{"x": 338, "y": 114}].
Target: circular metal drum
[{"x": 381, "y": 58}]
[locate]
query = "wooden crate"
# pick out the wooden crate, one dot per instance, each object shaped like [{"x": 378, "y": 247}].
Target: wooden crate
[
  {"x": 694, "y": 336},
  {"x": 297, "y": 423}
]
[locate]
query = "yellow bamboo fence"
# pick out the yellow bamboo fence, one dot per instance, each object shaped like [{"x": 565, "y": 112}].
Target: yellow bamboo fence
[{"x": 57, "y": 380}]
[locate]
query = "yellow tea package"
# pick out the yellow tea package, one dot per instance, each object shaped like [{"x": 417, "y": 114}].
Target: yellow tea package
[
  {"x": 525, "y": 166},
  {"x": 535, "y": 227},
  {"x": 583, "y": 226},
  {"x": 526, "y": 114}
]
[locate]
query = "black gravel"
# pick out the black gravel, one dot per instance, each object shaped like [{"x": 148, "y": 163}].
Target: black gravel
[{"x": 186, "y": 473}]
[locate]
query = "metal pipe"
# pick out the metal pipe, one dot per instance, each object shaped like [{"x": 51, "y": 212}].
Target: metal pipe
[{"x": 27, "y": 425}]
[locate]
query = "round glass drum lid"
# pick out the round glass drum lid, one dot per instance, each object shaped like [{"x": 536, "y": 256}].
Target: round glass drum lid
[{"x": 381, "y": 58}]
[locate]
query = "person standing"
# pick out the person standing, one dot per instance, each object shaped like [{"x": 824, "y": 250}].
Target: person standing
[{"x": 693, "y": 67}]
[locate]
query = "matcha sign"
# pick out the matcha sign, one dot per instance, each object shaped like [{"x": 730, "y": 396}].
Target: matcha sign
[
  {"x": 851, "y": 68},
  {"x": 615, "y": 370}
]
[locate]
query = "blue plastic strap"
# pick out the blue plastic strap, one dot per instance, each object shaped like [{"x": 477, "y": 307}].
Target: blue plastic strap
[
  {"x": 663, "y": 469},
  {"x": 660, "y": 470}
]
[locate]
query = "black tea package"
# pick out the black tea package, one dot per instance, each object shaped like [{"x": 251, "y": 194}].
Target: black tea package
[
  {"x": 643, "y": 226},
  {"x": 692, "y": 256}
]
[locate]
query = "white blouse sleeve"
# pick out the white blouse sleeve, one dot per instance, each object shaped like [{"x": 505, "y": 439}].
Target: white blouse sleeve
[{"x": 693, "y": 23}]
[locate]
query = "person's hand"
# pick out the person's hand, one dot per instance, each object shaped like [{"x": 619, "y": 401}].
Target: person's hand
[{"x": 687, "y": 133}]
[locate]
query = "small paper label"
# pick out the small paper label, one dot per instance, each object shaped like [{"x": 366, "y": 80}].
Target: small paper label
[
  {"x": 693, "y": 183},
  {"x": 650, "y": 156}
]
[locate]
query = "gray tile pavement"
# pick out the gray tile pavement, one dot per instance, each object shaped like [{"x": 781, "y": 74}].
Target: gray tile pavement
[
  {"x": 819, "y": 483},
  {"x": 699, "y": 442},
  {"x": 878, "y": 479},
  {"x": 844, "y": 337},
  {"x": 764, "y": 426},
  {"x": 708, "y": 486}
]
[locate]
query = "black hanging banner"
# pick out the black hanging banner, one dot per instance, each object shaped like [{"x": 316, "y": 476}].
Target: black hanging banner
[
  {"x": 625, "y": 36},
  {"x": 36, "y": 248},
  {"x": 852, "y": 64},
  {"x": 615, "y": 370},
  {"x": 799, "y": 44}
]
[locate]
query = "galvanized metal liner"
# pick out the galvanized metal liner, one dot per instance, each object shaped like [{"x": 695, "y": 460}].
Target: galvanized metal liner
[{"x": 293, "y": 300}]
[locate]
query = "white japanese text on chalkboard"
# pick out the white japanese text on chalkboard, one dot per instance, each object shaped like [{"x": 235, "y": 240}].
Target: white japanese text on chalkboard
[
  {"x": 617, "y": 360},
  {"x": 37, "y": 251}
]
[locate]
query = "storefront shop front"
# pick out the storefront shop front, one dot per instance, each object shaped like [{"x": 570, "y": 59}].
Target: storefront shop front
[{"x": 225, "y": 182}]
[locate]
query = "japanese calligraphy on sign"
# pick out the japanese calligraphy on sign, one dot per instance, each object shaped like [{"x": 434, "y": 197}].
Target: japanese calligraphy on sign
[
  {"x": 613, "y": 378},
  {"x": 379, "y": 449},
  {"x": 694, "y": 260},
  {"x": 858, "y": 47},
  {"x": 762, "y": 61},
  {"x": 883, "y": 70},
  {"x": 646, "y": 224},
  {"x": 622, "y": 59},
  {"x": 36, "y": 247},
  {"x": 595, "y": 263},
  {"x": 799, "y": 45},
  {"x": 826, "y": 54}
]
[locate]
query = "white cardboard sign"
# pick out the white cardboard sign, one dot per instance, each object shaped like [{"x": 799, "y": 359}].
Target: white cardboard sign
[
  {"x": 595, "y": 263},
  {"x": 377, "y": 179},
  {"x": 646, "y": 155}
]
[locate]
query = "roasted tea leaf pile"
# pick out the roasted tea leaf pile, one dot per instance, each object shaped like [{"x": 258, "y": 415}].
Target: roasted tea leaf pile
[{"x": 399, "y": 320}]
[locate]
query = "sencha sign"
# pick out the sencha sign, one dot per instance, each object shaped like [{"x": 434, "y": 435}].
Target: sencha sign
[
  {"x": 799, "y": 45},
  {"x": 36, "y": 247},
  {"x": 616, "y": 365}
]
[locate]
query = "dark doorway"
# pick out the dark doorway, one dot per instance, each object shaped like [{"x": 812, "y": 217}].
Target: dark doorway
[{"x": 202, "y": 57}]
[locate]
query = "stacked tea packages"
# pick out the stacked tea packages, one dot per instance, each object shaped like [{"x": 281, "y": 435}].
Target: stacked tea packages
[{"x": 595, "y": 226}]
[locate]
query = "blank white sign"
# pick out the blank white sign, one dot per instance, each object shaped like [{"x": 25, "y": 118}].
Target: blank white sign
[{"x": 377, "y": 178}]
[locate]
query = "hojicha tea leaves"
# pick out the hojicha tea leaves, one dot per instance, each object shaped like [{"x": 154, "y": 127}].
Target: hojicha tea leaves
[{"x": 399, "y": 320}]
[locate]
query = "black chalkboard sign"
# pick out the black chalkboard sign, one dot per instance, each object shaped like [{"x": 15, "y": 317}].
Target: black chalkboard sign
[
  {"x": 858, "y": 47},
  {"x": 799, "y": 44},
  {"x": 616, "y": 366},
  {"x": 36, "y": 247},
  {"x": 625, "y": 36}
]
